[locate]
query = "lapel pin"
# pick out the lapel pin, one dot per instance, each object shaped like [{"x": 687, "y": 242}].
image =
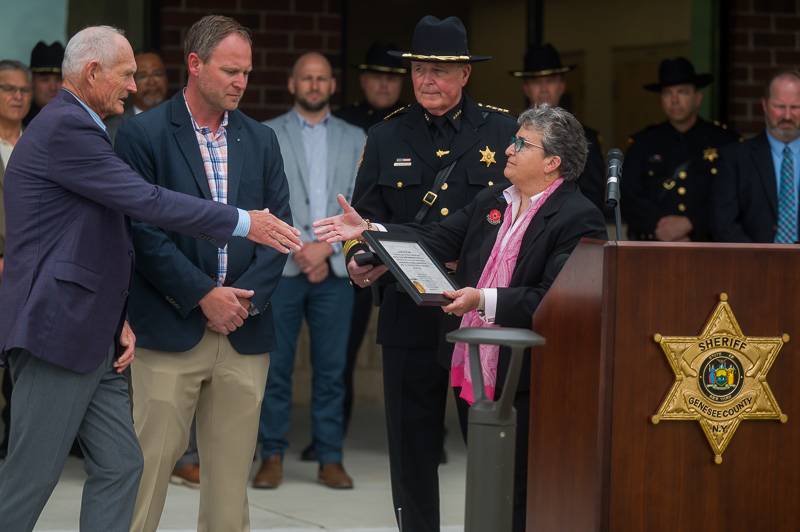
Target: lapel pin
[{"x": 494, "y": 217}]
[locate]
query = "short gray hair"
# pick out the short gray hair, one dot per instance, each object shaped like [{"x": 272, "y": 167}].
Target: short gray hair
[
  {"x": 13, "y": 64},
  {"x": 208, "y": 32},
  {"x": 94, "y": 43},
  {"x": 562, "y": 135}
]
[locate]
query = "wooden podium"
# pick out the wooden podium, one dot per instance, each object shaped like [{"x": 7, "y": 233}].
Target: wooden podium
[{"x": 596, "y": 462}]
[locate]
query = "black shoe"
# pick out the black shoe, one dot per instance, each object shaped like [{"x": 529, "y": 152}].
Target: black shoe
[{"x": 309, "y": 454}]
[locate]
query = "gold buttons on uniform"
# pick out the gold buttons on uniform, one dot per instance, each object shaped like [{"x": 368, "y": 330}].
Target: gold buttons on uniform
[
  {"x": 681, "y": 207},
  {"x": 714, "y": 171},
  {"x": 399, "y": 184},
  {"x": 491, "y": 183},
  {"x": 682, "y": 174},
  {"x": 444, "y": 186},
  {"x": 445, "y": 211},
  {"x": 682, "y": 190}
]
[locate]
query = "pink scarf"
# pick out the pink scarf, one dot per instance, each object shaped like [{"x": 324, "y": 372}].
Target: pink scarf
[{"x": 496, "y": 274}]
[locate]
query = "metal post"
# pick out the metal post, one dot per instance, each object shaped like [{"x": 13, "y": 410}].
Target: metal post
[{"x": 492, "y": 431}]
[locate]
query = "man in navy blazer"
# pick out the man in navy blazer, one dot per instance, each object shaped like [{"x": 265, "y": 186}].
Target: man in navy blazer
[
  {"x": 68, "y": 267},
  {"x": 203, "y": 316},
  {"x": 755, "y": 193}
]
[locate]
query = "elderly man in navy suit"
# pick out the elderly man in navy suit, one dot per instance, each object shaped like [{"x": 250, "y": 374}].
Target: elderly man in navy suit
[{"x": 68, "y": 268}]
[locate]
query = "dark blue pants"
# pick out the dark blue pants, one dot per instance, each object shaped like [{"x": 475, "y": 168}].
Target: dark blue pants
[{"x": 327, "y": 307}]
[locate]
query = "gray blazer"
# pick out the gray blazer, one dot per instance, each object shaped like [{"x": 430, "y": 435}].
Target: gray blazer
[{"x": 345, "y": 146}]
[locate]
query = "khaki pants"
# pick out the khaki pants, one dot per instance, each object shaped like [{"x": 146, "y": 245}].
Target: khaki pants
[{"x": 226, "y": 390}]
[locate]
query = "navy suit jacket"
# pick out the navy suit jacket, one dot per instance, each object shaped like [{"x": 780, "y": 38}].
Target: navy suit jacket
[
  {"x": 68, "y": 251},
  {"x": 173, "y": 271},
  {"x": 744, "y": 199}
]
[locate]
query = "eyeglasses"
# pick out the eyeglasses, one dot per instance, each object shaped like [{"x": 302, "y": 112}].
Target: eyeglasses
[
  {"x": 12, "y": 89},
  {"x": 520, "y": 142}
]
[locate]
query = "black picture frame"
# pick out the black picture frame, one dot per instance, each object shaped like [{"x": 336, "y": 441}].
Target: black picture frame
[{"x": 375, "y": 240}]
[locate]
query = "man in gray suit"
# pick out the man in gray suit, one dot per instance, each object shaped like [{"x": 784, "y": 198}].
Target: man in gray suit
[{"x": 320, "y": 154}]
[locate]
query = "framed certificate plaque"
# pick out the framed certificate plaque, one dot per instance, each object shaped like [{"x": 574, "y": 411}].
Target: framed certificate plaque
[{"x": 413, "y": 266}]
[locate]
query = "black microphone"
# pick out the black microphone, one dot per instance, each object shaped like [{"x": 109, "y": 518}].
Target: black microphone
[{"x": 613, "y": 175}]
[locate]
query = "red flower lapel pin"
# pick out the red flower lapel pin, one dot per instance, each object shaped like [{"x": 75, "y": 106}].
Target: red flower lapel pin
[{"x": 494, "y": 217}]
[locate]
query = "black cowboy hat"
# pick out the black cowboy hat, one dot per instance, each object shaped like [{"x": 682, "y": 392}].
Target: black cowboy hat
[
  {"x": 541, "y": 61},
  {"x": 677, "y": 72},
  {"x": 47, "y": 59},
  {"x": 379, "y": 60},
  {"x": 439, "y": 41}
]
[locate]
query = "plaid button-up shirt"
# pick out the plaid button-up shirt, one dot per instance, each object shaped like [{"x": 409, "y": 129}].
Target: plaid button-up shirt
[{"x": 214, "y": 152}]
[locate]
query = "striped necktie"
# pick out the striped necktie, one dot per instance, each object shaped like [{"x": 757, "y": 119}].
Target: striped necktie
[{"x": 787, "y": 202}]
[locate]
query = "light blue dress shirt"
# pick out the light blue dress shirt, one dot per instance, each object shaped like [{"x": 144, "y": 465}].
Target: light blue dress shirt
[{"x": 315, "y": 146}]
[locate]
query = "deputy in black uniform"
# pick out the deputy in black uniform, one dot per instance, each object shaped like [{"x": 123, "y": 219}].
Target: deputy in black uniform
[
  {"x": 423, "y": 163},
  {"x": 543, "y": 82},
  {"x": 45, "y": 68},
  {"x": 669, "y": 167},
  {"x": 381, "y": 82}
]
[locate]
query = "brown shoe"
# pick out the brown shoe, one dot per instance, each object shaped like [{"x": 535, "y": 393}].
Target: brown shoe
[
  {"x": 270, "y": 475},
  {"x": 186, "y": 475},
  {"x": 334, "y": 476}
]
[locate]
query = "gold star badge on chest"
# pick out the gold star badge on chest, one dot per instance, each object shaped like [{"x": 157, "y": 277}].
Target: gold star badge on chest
[
  {"x": 487, "y": 156},
  {"x": 710, "y": 154},
  {"x": 720, "y": 378}
]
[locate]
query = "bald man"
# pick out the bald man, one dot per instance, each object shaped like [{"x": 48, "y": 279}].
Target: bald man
[{"x": 320, "y": 157}]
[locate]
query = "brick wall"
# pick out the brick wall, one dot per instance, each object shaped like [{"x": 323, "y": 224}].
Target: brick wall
[
  {"x": 763, "y": 36},
  {"x": 282, "y": 30}
]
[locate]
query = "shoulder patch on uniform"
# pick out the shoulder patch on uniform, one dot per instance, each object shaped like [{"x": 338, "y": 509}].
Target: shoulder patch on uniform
[
  {"x": 494, "y": 108},
  {"x": 397, "y": 112}
]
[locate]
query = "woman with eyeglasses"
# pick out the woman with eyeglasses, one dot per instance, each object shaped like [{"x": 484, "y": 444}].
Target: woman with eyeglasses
[{"x": 510, "y": 246}]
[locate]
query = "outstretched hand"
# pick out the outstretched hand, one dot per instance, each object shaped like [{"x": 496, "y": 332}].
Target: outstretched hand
[
  {"x": 271, "y": 231},
  {"x": 345, "y": 226}
]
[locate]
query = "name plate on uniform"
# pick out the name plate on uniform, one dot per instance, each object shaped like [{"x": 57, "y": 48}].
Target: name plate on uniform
[{"x": 414, "y": 267}]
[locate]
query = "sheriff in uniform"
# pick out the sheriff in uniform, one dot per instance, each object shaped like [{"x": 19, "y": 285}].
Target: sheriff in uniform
[
  {"x": 423, "y": 163},
  {"x": 669, "y": 166}
]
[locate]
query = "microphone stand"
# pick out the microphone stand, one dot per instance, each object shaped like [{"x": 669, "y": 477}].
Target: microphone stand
[{"x": 617, "y": 218}]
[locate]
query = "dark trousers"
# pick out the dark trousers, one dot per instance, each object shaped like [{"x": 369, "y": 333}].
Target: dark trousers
[
  {"x": 415, "y": 391},
  {"x": 362, "y": 310},
  {"x": 522, "y": 403},
  {"x": 51, "y": 406}
]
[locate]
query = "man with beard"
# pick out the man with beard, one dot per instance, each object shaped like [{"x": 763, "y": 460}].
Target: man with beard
[
  {"x": 320, "y": 155},
  {"x": 755, "y": 192},
  {"x": 151, "y": 89},
  {"x": 669, "y": 166},
  {"x": 46, "y": 68}
]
